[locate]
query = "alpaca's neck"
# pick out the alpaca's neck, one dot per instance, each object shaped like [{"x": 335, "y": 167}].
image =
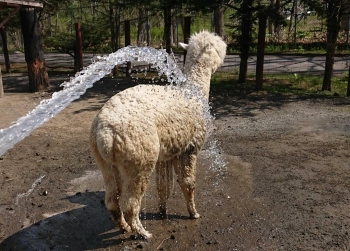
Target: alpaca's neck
[{"x": 198, "y": 76}]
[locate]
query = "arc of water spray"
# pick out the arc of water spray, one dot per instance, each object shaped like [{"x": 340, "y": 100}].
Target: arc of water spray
[{"x": 78, "y": 85}]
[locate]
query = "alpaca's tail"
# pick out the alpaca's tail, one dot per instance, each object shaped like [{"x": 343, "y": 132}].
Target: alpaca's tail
[{"x": 101, "y": 142}]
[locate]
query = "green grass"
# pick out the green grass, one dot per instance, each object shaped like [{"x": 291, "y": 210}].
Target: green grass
[
  {"x": 279, "y": 84},
  {"x": 288, "y": 84}
]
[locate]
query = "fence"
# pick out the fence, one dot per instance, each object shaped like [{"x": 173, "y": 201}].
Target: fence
[{"x": 273, "y": 64}]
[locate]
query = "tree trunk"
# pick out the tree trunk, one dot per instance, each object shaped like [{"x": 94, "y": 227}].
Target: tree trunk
[
  {"x": 118, "y": 24},
  {"x": 34, "y": 55},
  {"x": 141, "y": 25},
  {"x": 148, "y": 30},
  {"x": 260, "y": 53},
  {"x": 271, "y": 29},
  {"x": 328, "y": 71},
  {"x": 167, "y": 26},
  {"x": 348, "y": 88},
  {"x": 112, "y": 24},
  {"x": 186, "y": 29},
  {"x": 79, "y": 48},
  {"x": 127, "y": 39},
  {"x": 291, "y": 19},
  {"x": 270, "y": 24},
  {"x": 1, "y": 85},
  {"x": 5, "y": 49},
  {"x": 245, "y": 40},
  {"x": 173, "y": 32},
  {"x": 333, "y": 22},
  {"x": 219, "y": 22},
  {"x": 278, "y": 29}
]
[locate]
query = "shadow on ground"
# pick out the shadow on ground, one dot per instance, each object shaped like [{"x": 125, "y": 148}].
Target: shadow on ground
[
  {"x": 227, "y": 98},
  {"x": 88, "y": 227},
  {"x": 60, "y": 231}
]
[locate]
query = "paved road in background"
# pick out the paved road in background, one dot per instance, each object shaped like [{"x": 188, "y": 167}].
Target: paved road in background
[{"x": 272, "y": 63}]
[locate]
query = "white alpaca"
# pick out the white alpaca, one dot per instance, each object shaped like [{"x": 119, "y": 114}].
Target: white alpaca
[{"x": 151, "y": 127}]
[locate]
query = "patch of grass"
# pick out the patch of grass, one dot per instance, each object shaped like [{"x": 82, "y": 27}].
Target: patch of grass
[
  {"x": 278, "y": 84},
  {"x": 17, "y": 68},
  {"x": 288, "y": 84},
  {"x": 293, "y": 84}
]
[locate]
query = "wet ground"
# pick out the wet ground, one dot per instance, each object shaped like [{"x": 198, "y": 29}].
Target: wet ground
[{"x": 285, "y": 185}]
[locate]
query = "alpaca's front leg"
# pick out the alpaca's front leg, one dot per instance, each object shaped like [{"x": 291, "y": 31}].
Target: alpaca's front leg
[
  {"x": 185, "y": 170},
  {"x": 164, "y": 179}
]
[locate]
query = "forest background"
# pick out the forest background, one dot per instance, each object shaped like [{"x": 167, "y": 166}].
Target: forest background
[{"x": 292, "y": 26}]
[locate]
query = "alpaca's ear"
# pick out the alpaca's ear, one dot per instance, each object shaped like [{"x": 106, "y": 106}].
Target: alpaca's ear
[{"x": 184, "y": 46}]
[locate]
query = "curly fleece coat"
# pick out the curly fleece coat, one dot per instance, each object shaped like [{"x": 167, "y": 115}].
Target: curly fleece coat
[{"x": 151, "y": 127}]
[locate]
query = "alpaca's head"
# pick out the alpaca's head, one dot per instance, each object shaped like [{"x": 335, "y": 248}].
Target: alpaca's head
[{"x": 206, "y": 49}]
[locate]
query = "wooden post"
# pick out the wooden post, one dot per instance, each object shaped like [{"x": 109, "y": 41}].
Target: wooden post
[
  {"x": 260, "y": 53},
  {"x": 79, "y": 48},
  {"x": 5, "y": 50},
  {"x": 127, "y": 42},
  {"x": 1, "y": 85},
  {"x": 187, "y": 33}
]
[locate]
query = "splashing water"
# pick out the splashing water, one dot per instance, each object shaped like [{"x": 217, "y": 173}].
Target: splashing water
[
  {"x": 216, "y": 162},
  {"x": 26, "y": 194},
  {"x": 85, "y": 79}
]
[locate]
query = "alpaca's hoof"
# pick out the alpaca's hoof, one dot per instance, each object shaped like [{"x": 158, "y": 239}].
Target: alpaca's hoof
[
  {"x": 125, "y": 227},
  {"x": 141, "y": 236},
  {"x": 120, "y": 221},
  {"x": 195, "y": 216},
  {"x": 146, "y": 235}
]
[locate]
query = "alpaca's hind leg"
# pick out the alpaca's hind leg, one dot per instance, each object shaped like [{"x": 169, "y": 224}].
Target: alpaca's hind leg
[
  {"x": 164, "y": 179},
  {"x": 111, "y": 178},
  {"x": 134, "y": 184},
  {"x": 112, "y": 184},
  {"x": 113, "y": 191},
  {"x": 185, "y": 169}
]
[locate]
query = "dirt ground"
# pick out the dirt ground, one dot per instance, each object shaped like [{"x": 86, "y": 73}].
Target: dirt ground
[{"x": 285, "y": 185}]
